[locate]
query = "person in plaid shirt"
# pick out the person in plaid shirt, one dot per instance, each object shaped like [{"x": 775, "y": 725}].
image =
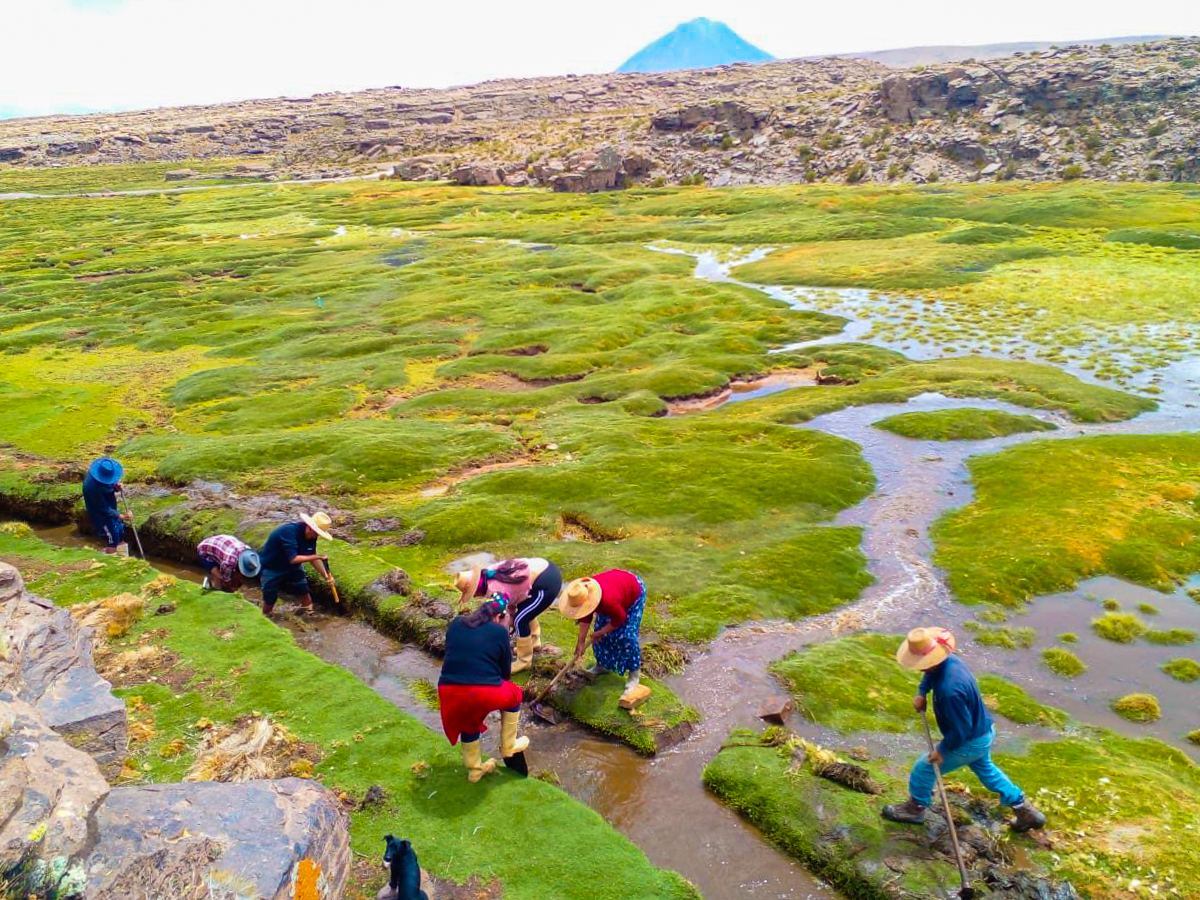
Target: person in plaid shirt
[{"x": 227, "y": 561}]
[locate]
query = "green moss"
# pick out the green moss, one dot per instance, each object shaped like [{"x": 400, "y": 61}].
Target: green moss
[
  {"x": 595, "y": 705},
  {"x": 1121, "y": 628},
  {"x": 1148, "y": 609},
  {"x": 1122, "y": 505},
  {"x": 256, "y": 666},
  {"x": 1063, "y": 662},
  {"x": 1111, "y": 605},
  {"x": 1194, "y": 736},
  {"x": 961, "y": 424},
  {"x": 1171, "y": 636},
  {"x": 1008, "y": 638},
  {"x": 1182, "y": 669},
  {"x": 426, "y": 693},
  {"x": 1138, "y": 708},
  {"x": 1069, "y": 637}
]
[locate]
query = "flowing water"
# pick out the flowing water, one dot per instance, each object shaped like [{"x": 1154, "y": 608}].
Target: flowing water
[{"x": 657, "y": 801}]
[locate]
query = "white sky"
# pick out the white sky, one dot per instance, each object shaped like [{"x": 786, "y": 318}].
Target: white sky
[{"x": 73, "y": 55}]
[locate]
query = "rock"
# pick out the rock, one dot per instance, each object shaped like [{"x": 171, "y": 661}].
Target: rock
[
  {"x": 376, "y": 124},
  {"x": 377, "y": 525},
  {"x": 476, "y": 175},
  {"x": 165, "y": 609},
  {"x": 277, "y": 840},
  {"x": 179, "y": 175},
  {"x": 990, "y": 169},
  {"x": 774, "y": 709},
  {"x": 11, "y": 154},
  {"x": 45, "y": 786},
  {"x": 46, "y": 661},
  {"x": 733, "y": 113},
  {"x": 516, "y": 179},
  {"x": 434, "y": 119},
  {"x": 634, "y": 697}
]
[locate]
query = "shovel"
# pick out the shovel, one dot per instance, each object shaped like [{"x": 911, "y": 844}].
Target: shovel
[
  {"x": 966, "y": 892},
  {"x": 132, "y": 525},
  {"x": 535, "y": 706}
]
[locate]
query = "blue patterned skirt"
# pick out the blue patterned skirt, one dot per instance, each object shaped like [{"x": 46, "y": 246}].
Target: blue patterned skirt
[{"x": 620, "y": 651}]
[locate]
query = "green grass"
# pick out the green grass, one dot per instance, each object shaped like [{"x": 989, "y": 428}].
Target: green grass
[
  {"x": 595, "y": 705},
  {"x": 960, "y": 424},
  {"x": 1140, "y": 708},
  {"x": 1186, "y": 670},
  {"x": 1170, "y": 636},
  {"x": 1062, "y": 661},
  {"x": 1122, "y": 505},
  {"x": 1008, "y": 638},
  {"x": 256, "y": 666},
  {"x": 1120, "y": 628},
  {"x": 135, "y": 176}
]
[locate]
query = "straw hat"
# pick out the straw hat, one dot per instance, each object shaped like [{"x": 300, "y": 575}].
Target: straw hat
[
  {"x": 318, "y": 522},
  {"x": 466, "y": 581},
  {"x": 581, "y": 598},
  {"x": 106, "y": 470},
  {"x": 924, "y": 648},
  {"x": 248, "y": 563}
]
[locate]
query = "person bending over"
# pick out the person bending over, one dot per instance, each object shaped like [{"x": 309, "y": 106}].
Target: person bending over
[
  {"x": 531, "y": 586},
  {"x": 283, "y": 557},
  {"x": 227, "y": 561}
]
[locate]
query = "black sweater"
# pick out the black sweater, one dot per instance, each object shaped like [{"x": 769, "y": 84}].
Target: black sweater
[{"x": 476, "y": 655}]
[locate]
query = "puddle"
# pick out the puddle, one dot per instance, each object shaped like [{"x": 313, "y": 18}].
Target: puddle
[{"x": 745, "y": 390}]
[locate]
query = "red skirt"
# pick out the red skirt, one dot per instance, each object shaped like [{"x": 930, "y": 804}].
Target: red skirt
[{"x": 465, "y": 706}]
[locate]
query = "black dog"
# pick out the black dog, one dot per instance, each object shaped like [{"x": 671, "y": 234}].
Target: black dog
[{"x": 405, "y": 882}]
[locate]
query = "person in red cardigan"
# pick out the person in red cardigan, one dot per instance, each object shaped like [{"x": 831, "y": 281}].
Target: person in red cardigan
[{"x": 614, "y": 602}]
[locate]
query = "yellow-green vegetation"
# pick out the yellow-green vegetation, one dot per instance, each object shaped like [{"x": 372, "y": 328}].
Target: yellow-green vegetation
[
  {"x": 1138, "y": 708},
  {"x": 1148, "y": 609},
  {"x": 1109, "y": 269},
  {"x": 1182, "y": 669},
  {"x": 596, "y": 706},
  {"x": 1069, "y": 637},
  {"x": 131, "y": 177},
  {"x": 1170, "y": 636},
  {"x": 961, "y": 424},
  {"x": 1092, "y": 783},
  {"x": 1008, "y": 638},
  {"x": 1194, "y": 736},
  {"x": 1063, "y": 662},
  {"x": 1120, "y": 628},
  {"x": 1111, "y": 605},
  {"x": 229, "y": 661},
  {"x": 1122, "y": 505}
]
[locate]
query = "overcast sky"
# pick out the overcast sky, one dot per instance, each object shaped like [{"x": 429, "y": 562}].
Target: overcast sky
[{"x": 75, "y": 55}]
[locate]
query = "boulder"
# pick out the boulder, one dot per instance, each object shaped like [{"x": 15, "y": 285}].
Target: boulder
[
  {"x": 277, "y": 840},
  {"x": 734, "y": 114},
  {"x": 46, "y": 661},
  {"x": 48, "y": 789},
  {"x": 476, "y": 175},
  {"x": 11, "y": 154}
]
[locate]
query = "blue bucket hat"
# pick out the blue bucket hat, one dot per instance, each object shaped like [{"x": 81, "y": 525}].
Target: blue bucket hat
[
  {"x": 249, "y": 563},
  {"x": 106, "y": 470}
]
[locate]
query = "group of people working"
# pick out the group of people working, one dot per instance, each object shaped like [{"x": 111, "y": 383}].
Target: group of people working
[
  {"x": 476, "y": 676},
  {"x": 226, "y": 559}
]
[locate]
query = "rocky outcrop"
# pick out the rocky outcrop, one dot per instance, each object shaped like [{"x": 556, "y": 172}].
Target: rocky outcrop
[
  {"x": 46, "y": 661},
  {"x": 64, "y": 832},
  {"x": 731, "y": 113}
]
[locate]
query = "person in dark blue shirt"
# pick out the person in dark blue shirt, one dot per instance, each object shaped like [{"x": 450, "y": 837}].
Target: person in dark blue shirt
[
  {"x": 966, "y": 726},
  {"x": 100, "y": 487},
  {"x": 283, "y": 557}
]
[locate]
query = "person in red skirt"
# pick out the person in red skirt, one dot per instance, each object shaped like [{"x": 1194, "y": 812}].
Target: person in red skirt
[{"x": 475, "y": 681}]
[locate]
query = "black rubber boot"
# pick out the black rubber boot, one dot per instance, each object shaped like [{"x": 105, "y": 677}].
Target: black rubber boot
[
  {"x": 910, "y": 812},
  {"x": 1029, "y": 817}
]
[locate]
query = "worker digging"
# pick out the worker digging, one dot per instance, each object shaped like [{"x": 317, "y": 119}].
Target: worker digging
[
  {"x": 228, "y": 561},
  {"x": 967, "y": 730},
  {"x": 531, "y": 586},
  {"x": 614, "y": 601},
  {"x": 283, "y": 557},
  {"x": 476, "y": 680}
]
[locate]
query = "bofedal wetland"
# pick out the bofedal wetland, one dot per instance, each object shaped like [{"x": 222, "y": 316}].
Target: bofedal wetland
[{"x": 809, "y": 418}]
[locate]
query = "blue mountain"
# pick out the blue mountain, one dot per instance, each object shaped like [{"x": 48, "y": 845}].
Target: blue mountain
[{"x": 694, "y": 45}]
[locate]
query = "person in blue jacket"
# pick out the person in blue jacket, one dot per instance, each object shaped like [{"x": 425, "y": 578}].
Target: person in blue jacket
[
  {"x": 966, "y": 726},
  {"x": 283, "y": 557},
  {"x": 100, "y": 487}
]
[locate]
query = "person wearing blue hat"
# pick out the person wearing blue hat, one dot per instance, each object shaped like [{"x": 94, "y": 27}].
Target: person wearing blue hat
[
  {"x": 100, "y": 488},
  {"x": 227, "y": 561}
]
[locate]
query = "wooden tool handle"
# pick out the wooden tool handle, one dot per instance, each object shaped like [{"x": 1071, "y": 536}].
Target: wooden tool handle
[{"x": 937, "y": 774}]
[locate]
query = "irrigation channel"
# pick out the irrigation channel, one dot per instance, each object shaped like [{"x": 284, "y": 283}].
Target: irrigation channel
[{"x": 650, "y": 800}]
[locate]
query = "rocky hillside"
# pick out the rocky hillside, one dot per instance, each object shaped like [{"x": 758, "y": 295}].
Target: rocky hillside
[{"x": 1127, "y": 112}]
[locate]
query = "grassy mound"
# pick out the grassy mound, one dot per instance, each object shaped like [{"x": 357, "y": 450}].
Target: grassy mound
[
  {"x": 659, "y": 722},
  {"x": 1138, "y": 708},
  {"x": 1062, "y": 661},
  {"x": 1122, "y": 505},
  {"x": 1091, "y": 782},
  {"x": 1120, "y": 628},
  {"x": 228, "y": 663},
  {"x": 960, "y": 424},
  {"x": 1187, "y": 670}
]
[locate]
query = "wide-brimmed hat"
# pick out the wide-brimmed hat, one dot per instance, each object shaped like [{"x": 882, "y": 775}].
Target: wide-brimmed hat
[
  {"x": 925, "y": 648},
  {"x": 318, "y": 522},
  {"x": 249, "y": 563},
  {"x": 581, "y": 598},
  {"x": 467, "y": 581},
  {"x": 106, "y": 470}
]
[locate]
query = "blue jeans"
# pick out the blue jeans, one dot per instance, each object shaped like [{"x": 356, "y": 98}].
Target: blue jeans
[{"x": 976, "y": 754}]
